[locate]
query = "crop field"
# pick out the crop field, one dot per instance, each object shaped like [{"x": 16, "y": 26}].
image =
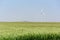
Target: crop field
[{"x": 29, "y": 30}]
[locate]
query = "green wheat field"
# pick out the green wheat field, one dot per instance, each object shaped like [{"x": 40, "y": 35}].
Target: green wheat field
[{"x": 29, "y": 30}]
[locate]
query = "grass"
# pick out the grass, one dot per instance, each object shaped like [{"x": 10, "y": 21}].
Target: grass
[{"x": 29, "y": 30}]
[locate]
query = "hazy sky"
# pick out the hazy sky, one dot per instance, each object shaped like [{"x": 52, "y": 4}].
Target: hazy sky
[{"x": 29, "y": 10}]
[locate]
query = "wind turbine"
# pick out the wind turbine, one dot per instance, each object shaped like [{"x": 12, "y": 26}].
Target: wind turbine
[
  {"x": 42, "y": 12},
  {"x": 43, "y": 15}
]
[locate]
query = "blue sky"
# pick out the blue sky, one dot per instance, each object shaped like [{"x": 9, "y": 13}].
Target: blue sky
[{"x": 30, "y": 10}]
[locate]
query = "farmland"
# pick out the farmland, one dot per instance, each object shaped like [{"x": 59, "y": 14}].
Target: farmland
[{"x": 29, "y": 30}]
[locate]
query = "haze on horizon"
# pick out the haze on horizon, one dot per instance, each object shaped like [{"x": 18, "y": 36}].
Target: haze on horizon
[{"x": 30, "y": 10}]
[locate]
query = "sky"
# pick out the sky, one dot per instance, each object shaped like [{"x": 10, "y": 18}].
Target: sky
[{"x": 30, "y": 10}]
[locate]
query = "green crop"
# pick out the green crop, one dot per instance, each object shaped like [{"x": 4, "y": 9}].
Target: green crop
[{"x": 29, "y": 30}]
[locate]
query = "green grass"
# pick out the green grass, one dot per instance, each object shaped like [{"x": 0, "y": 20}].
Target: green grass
[{"x": 29, "y": 30}]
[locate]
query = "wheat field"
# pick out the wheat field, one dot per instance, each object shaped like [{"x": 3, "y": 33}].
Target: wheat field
[{"x": 29, "y": 30}]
